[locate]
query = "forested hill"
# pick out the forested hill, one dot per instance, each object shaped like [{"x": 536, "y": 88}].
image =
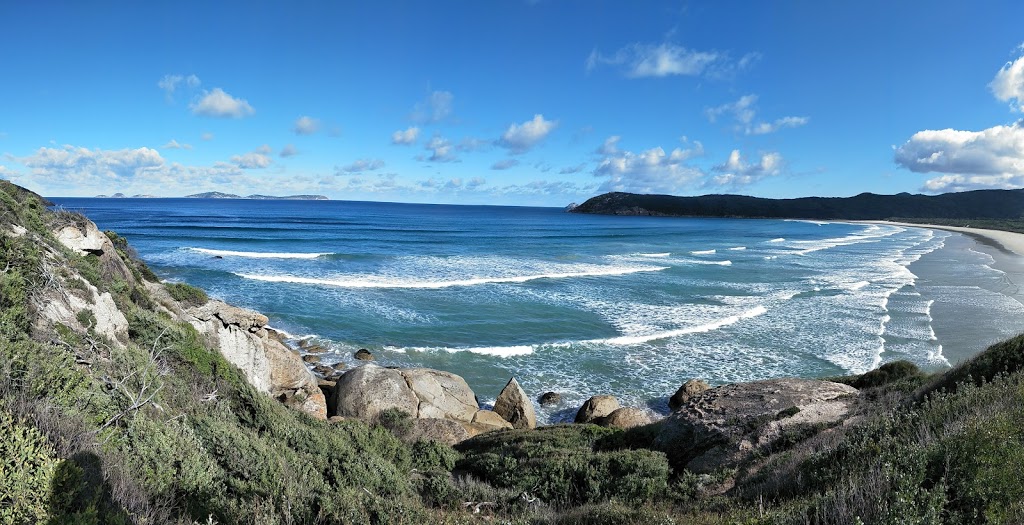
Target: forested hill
[{"x": 989, "y": 204}]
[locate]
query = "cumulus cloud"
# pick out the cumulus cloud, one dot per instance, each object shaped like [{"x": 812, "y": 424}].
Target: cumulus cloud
[
  {"x": 257, "y": 159},
  {"x": 519, "y": 138},
  {"x": 475, "y": 183},
  {"x": 173, "y": 144},
  {"x": 736, "y": 172},
  {"x": 649, "y": 60},
  {"x": 406, "y": 136},
  {"x": 650, "y": 171},
  {"x": 306, "y": 125},
  {"x": 217, "y": 103},
  {"x": 288, "y": 151},
  {"x": 991, "y": 158},
  {"x": 360, "y": 166},
  {"x": 610, "y": 146},
  {"x": 1008, "y": 84},
  {"x": 75, "y": 161},
  {"x": 441, "y": 150},
  {"x": 505, "y": 164},
  {"x": 744, "y": 113},
  {"x": 438, "y": 106}
]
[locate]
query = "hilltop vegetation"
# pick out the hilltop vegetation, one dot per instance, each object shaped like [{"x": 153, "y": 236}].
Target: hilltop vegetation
[
  {"x": 979, "y": 204},
  {"x": 160, "y": 428}
]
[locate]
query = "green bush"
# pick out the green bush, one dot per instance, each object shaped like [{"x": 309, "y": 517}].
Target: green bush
[
  {"x": 27, "y": 467},
  {"x": 429, "y": 455},
  {"x": 187, "y": 294}
]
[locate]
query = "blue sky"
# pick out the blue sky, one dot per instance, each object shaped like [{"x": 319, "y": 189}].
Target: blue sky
[{"x": 525, "y": 103}]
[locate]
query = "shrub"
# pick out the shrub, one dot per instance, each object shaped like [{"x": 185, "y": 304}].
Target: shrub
[
  {"x": 186, "y": 294},
  {"x": 429, "y": 455},
  {"x": 27, "y": 467}
]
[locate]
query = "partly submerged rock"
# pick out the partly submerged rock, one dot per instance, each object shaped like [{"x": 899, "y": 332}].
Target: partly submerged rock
[
  {"x": 686, "y": 391},
  {"x": 363, "y": 355},
  {"x": 549, "y": 398},
  {"x": 596, "y": 407},
  {"x": 728, "y": 425},
  {"x": 514, "y": 406}
]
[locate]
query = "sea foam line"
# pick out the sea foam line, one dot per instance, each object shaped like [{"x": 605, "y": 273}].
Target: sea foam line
[
  {"x": 259, "y": 255},
  {"x": 403, "y": 283},
  {"x": 702, "y": 252},
  {"x": 708, "y": 327}
]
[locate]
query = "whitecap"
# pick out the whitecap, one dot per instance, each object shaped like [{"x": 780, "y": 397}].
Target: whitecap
[
  {"x": 702, "y": 252},
  {"x": 779, "y": 239},
  {"x": 259, "y": 255},
  {"x": 384, "y": 282},
  {"x": 738, "y": 248},
  {"x": 662, "y": 254},
  {"x": 708, "y": 327}
]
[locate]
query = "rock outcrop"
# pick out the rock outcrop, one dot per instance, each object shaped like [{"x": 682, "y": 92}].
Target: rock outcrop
[
  {"x": 728, "y": 425},
  {"x": 596, "y": 407},
  {"x": 268, "y": 364},
  {"x": 549, "y": 399},
  {"x": 515, "y": 406}
]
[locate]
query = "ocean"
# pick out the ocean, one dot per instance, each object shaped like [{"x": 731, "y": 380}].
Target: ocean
[{"x": 580, "y": 304}]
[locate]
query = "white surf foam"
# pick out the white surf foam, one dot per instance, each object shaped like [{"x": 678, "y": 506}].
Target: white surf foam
[
  {"x": 702, "y": 252},
  {"x": 663, "y": 254},
  {"x": 495, "y": 351},
  {"x": 779, "y": 239},
  {"x": 373, "y": 281},
  {"x": 738, "y": 248},
  {"x": 696, "y": 261},
  {"x": 259, "y": 255},
  {"x": 708, "y": 327}
]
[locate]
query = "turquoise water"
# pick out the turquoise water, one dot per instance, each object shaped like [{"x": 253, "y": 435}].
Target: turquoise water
[{"x": 576, "y": 304}]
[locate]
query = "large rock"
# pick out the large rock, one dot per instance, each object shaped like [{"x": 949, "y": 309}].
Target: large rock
[
  {"x": 728, "y": 425},
  {"x": 369, "y": 390},
  {"x": 514, "y": 406},
  {"x": 686, "y": 391},
  {"x": 441, "y": 394},
  {"x": 86, "y": 239},
  {"x": 626, "y": 417},
  {"x": 596, "y": 407},
  {"x": 420, "y": 392}
]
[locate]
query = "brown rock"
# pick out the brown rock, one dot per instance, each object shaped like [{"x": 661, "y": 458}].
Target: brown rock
[
  {"x": 515, "y": 407},
  {"x": 596, "y": 407},
  {"x": 335, "y": 419},
  {"x": 489, "y": 418},
  {"x": 315, "y": 349},
  {"x": 443, "y": 430},
  {"x": 626, "y": 417},
  {"x": 312, "y": 359},
  {"x": 686, "y": 391},
  {"x": 364, "y": 355}
]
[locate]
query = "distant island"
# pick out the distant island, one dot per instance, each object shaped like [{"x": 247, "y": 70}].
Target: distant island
[
  {"x": 978, "y": 204},
  {"x": 219, "y": 195}
]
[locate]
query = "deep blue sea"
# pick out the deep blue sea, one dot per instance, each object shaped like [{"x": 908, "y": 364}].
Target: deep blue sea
[{"x": 579, "y": 304}]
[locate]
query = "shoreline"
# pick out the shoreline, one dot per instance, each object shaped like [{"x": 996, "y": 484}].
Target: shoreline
[{"x": 1009, "y": 243}]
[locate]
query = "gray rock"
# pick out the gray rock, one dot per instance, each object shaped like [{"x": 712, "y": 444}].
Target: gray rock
[
  {"x": 728, "y": 425},
  {"x": 369, "y": 390},
  {"x": 490, "y": 418},
  {"x": 515, "y": 407},
  {"x": 441, "y": 394},
  {"x": 596, "y": 407},
  {"x": 363, "y": 355},
  {"x": 311, "y": 359},
  {"x": 686, "y": 391}
]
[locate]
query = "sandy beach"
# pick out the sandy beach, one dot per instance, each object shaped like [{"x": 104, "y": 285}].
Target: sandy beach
[{"x": 1007, "y": 242}]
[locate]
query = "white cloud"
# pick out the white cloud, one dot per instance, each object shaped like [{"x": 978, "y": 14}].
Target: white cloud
[
  {"x": 288, "y": 151},
  {"x": 474, "y": 144},
  {"x": 206, "y": 136},
  {"x": 441, "y": 150},
  {"x": 72, "y": 160},
  {"x": 505, "y": 164},
  {"x": 736, "y": 172},
  {"x": 744, "y": 111},
  {"x": 763, "y": 128},
  {"x": 991, "y": 158},
  {"x": 648, "y": 60},
  {"x": 438, "y": 106},
  {"x": 257, "y": 159},
  {"x": 360, "y": 166},
  {"x": 217, "y": 103},
  {"x": 406, "y": 136},
  {"x": 475, "y": 183},
  {"x": 650, "y": 171},
  {"x": 306, "y": 125},
  {"x": 1008, "y": 84},
  {"x": 173, "y": 144},
  {"x": 519, "y": 138},
  {"x": 170, "y": 83}
]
